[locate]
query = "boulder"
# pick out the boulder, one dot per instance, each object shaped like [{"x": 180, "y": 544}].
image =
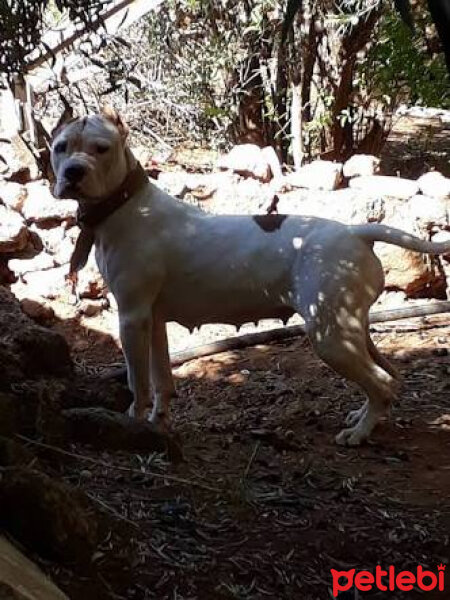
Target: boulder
[
  {"x": 37, "y": 311},
  {"x": 318, "y": 175},
  {"x": 48, "y": 516},
  {"x": 12, "y": 195},
  {"x": 103, "y": 428},
  {"x": 52, "y": 238},
  {"x": 385, "y": 186},
  {"x": 14, "y": 234},
  {"x": 442, "y": 236},
  {"x": 91, "y": 308},
  {"x": 361, "y": 165},
  {"x": 6, "y": 275},
  {"x": 173, "y": 182},
  {"x": 33, "y": 247},
  {"x": 90, "y": 282},
  {"x": 434, "y": 184},
  {"x": 41, "y": 207},
  {"x": 17, "y": 162},
  {"x": 410, "y": 271},
  {"x": 344, "y": 205},
  {"x": 429, "y": 212},
  {"x": 418, "y": 275},
  {"x": 40, "y": 262},
  {"x": 50, "y": 283},
  {"x": 63, "y": 251},
  {"x": 28, "y": 350},
  {"x": 250, "y": 160}
]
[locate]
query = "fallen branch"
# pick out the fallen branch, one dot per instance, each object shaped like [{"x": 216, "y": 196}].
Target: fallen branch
[
  {"x": 280, "y": 334},
  {"x": 105, "y": 465}
]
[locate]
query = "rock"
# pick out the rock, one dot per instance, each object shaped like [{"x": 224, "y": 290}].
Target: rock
[
  {"x": 428, "y": 212},
  {"x": 9, "y": 410},
  {"x": 250, "y": 160},
  {"x": 392, "y": 299},
  {"x": 240, "y": 196},
  {"x": 117, "y": 431},
  {"x": 33, "y": 248},
  {"x": 43, "y": 351},
  {"x": 385, "y": 186},
  {"x": 40, "y": 262},
  {"x": 48, "y": 516},
  {"x": 90, "y": 308},
  {"x": 64, "y": 251},
  {"x": 51, "y": 238},
  {"x": 28, "y": 350},
  {"x": 41, "y": 313},
  {"x": 41, "y": 207},
  {"x": 90, "y": 282},
  {"x": 434, "y": 184},
  {"x": 411, "y": 272},
  {"x": 361, "y": 164},
  {"x": 19, "y": 163},
  {"x": 173, "y": 182},
  {"x": 14, "y": 454},
  {"x": 20, "y": 579},
  {"x": 201, "y": 186},
  {"x": 12, "y": 195},
  {"x": 48, "y": 284},
  {"x": 318, "y": 175},
  {"x": 6, "y": 275},
  {"x": 14, "y": 234},
  {"x": 442, "y": 236}
]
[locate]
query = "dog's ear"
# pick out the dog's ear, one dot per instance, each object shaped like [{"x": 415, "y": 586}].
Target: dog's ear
[
  {"x": 66, "y": 117},
  {"x": 112, "y": 115}
]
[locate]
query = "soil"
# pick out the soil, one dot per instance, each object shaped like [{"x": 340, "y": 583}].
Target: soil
[{"x": 265, "y": 503}]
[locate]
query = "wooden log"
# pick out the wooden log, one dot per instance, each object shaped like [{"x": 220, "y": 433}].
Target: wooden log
[
  {"x": 280, "y": 334},
  {"x": 21, "y": 579}
]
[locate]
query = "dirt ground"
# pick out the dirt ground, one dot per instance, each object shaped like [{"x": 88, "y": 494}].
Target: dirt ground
[{"x": 264, "y": 503}]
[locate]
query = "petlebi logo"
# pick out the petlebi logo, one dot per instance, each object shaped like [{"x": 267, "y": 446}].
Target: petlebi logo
[{"x": 388, "y": 580}]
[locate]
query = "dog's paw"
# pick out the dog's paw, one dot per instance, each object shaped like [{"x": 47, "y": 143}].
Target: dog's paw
[
  {"x": 160, "y": 421},
  {"x": 355, "y": 416},
  {"x": 139, "y": 415},
  {"x": 350, "y": 437}
]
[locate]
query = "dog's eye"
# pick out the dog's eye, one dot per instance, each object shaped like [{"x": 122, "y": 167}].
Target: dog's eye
[
  {"x": 101, "y": 148},
  {"x": 61, "y": 147}
]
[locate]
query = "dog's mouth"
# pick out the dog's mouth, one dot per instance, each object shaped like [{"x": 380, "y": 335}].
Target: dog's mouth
[{"x": 63, "y": 190}]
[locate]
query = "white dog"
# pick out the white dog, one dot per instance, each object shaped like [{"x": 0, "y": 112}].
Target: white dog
[{"x": 166, "y": 261}]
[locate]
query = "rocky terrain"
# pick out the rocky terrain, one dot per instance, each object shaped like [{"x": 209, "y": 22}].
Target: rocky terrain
[{"x": 250, "y": 497}]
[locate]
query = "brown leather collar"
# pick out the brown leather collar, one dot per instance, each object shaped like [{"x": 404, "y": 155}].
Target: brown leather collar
[
  {"x": 89, "y": 216},
  {"x": 92, "y": 214}
]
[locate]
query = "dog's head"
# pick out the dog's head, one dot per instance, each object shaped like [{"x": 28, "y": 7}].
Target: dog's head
[{"x": 89, "y": 157}]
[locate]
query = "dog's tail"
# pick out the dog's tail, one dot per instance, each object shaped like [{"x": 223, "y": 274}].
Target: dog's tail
[{"x": 374, "y": 232}]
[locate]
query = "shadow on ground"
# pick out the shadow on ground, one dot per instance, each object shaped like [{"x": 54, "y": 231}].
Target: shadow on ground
[{"x": 265, "y": 503}]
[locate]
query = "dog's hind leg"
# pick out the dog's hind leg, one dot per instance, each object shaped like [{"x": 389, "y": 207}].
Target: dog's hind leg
[
  {"x": 337, "y": 279},
  {"x": 381, "y": 360},
  {"x": 345, "y": 350},
  {"x": 162, "y": 380},
  {"x": 354, "y": 416}
]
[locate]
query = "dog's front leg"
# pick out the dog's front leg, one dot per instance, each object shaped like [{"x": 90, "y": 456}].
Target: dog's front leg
[
  {"x": 135, "y": 332},
  {"x": 162, "y": 380}
]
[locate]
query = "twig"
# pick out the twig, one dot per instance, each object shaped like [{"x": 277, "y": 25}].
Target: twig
[
  {"x": 111, "y": 510},
  {"x": 250, "y": 462},
  {"x": 101, "y": 463}
]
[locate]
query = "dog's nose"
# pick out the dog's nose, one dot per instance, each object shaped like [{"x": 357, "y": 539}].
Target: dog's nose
[{"x": 74, "y": 172}]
